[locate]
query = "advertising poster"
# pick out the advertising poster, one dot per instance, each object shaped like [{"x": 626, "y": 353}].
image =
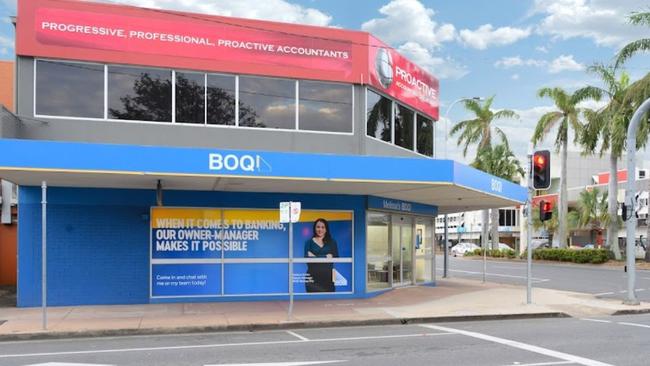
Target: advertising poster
[{"x": 221, "y": 252}]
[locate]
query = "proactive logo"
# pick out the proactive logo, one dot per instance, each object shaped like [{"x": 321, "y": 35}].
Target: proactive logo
[{"x": 384, "y": 67}]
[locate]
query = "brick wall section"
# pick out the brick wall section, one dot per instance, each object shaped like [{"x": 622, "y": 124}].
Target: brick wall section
[{"x": 7, "y": 84}]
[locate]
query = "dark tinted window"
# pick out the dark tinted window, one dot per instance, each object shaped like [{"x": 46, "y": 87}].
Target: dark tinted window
[
  {"x": 325, "y": 106},
  {"x": 190, "y": 97},
  {"x": 69, "y": 89},
  {"x": 221, "y": 100},
  {"x": 425, "y": 135},
  {"x": 378, "y": 116},
  {"x": 265, "y": 102},
  {"x": 403, "y": 127},
  {"x": 136, "y": 93}
]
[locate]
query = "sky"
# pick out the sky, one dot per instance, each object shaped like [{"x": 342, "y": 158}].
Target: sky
[{"x": 503, "y": 48}]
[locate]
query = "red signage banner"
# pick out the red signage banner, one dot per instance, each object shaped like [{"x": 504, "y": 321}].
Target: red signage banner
[
  {"x": 395, "y": 75},
  {"x": 107, "y": 33}
]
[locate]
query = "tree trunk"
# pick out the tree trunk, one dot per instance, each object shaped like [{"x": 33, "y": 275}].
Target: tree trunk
[
  {"x": 494, "y": 213},
  {"x": 612, "y": 208},
  {"x": 484, "y": 228},
  {"x": 564, "y": 204}
]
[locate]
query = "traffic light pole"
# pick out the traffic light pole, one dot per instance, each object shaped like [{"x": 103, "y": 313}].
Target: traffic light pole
[
  {"x": 529, "y": 229},
  {"x": 629, "y": 199}
]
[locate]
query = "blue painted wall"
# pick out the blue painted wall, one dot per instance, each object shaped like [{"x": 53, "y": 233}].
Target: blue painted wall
[{"x": 98, "y": 241}]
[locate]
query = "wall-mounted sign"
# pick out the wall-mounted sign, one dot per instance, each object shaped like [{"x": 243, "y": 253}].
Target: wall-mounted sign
[
  {"x": 388, "y": 204},
  {"x": 109, "y": 33},
  {"x": 221, "y": 252}
]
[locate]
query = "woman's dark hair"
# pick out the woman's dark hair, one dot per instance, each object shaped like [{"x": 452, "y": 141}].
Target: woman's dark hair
[{"x": 327, "y": 238}]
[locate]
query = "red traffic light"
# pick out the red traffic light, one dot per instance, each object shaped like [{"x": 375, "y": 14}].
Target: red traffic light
[
  {"x": 541, "y": 169},
  {"x": 545, "y": 210}
]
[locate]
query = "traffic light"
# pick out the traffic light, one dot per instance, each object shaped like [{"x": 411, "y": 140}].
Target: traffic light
[
  {"x": 545, "y": 210},
  {"x": 542, "y": 169}
]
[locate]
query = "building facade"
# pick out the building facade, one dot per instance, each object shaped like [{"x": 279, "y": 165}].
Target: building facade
[{"x": 166, "y": 142}]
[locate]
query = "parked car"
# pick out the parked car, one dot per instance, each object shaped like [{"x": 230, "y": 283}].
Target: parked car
[
  {"x": 503, "y": 246},
  {"x": 540, "y": 243},
  {"x": 461, "y": 248}
]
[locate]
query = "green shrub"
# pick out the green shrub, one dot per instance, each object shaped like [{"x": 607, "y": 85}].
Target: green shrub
[{"x": 595, "y": 256}]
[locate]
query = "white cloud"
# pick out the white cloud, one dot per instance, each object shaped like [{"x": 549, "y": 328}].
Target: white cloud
[
  {"x": 277, "y": 10},
  {"x": 603, "y": 21},
  {"x": 541, "y": 49},
  {"x": 443, "y": 68},
  {"x": 515, "y": 77},
  {"x": 561, "y": 63},
  {"x": 409, "y": 21},
  {"x": 6, "y": 42},
  {"x": 486, "y": 36},
  {"x": 565, "y": 63},
  {"x": 508, "y": 62}
]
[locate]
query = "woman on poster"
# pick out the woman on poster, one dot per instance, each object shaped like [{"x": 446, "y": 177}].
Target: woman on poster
[{"x": 321, "y": 245}]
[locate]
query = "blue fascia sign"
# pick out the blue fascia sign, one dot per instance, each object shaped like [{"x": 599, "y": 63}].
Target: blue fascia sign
[{"x": 388, "y": 204}]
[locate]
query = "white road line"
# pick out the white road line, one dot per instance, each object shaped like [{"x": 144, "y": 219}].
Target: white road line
[
  {"x": 500, "y": 275},
  {"x": 604, "y": 293},
  {"x": 596, "y": 320},
  {"x": 520, "y": 345},
  {"x": 298, "y": 336},
  {"x": 299, "y": 363},
  {"x": 541, "y": 363},
  {"x": 634, "y": 324},
  {"x": 218, "y": 345}
]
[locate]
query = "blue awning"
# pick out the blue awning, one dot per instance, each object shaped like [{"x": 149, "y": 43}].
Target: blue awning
[{"x": 444, "y": 183}]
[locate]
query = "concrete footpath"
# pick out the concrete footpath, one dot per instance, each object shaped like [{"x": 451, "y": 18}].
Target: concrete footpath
[{"x": 451, "y": 300}]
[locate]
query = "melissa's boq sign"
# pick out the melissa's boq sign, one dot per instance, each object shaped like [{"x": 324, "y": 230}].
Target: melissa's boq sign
[{"x": 78, "y": 30}]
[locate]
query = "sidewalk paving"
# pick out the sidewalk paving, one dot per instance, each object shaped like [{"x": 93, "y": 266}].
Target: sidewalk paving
[{"x": 450, "y": 300}]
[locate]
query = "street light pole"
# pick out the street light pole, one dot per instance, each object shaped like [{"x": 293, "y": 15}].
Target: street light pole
[
  {"x": 629, "y": 200},
  {"x": 446, "y": 243}
]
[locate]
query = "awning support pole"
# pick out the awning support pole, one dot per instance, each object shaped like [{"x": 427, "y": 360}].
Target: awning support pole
[
  {"x": 445, "y": 273},
  {"x": 44, "y": 253},
  {"x": 529, "y": 227},
  {"x": 290, "y": 311}
]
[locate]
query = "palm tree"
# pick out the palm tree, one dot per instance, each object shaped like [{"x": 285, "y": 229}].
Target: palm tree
[
  {"x": 500, "y": 161},
  {"x": 479, "y": 131},
  {"x": 566, "y": 116},
  {"x": 591, "y": 212},
  {"x": 641, "y": 45},
  {"x": 608, "y": 126}
]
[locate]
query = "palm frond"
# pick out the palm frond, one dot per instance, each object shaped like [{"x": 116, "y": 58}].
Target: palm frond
[
  {"x": 631, "y": 49},
  {"x": 505, "y": 113},
  {"x": 544, "y": 125}
]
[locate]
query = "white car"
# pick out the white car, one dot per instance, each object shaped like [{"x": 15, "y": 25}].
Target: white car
[
  {"x": 461, "y": 248},
  {"x": 503, "y": 246}
]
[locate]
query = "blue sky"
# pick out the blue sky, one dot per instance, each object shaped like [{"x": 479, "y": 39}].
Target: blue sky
[{"x": 507, "y": 48}]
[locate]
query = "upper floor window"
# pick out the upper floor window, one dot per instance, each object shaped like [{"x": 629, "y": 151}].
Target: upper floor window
[
  {"x": 403, "y": 126},
  {"x": 69, "y": 89},
  {"x": 267, "y": 103},
  {"x": 424, "y": 133},
  {"x": 190, "y": 97},
  {"x": 137, "y": 93},
  {"x": 378, "y": 116},
  {"x": 325, "y": 106},
  {"x": 87, "y": 90}
]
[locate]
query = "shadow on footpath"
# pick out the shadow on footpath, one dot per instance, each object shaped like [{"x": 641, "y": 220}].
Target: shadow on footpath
[{"x": 7, "y": 296}]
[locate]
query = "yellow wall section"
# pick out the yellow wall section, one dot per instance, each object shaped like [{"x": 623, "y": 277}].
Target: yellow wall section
[{"x": 234, "y": 214}]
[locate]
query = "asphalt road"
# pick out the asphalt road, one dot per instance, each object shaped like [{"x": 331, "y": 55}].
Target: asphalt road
[
  {"x": 569, "y": 341},
  {"x": 602, "y": 282}
]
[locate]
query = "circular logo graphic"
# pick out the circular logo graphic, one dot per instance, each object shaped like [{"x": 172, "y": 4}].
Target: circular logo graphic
[{"x": 384, "y": 67}]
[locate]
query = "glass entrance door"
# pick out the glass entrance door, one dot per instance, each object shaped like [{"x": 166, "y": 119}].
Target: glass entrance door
[{"x": 402, "y": 250}]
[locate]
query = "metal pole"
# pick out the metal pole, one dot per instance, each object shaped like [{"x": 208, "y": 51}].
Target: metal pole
[
  {"x": 529, "y": 228},
  {"x": 290, "y": 312},
  {"x": 44, "y": 252},
  {"x": 483, "y": 245},
  {"x": 629, "y": 198},
  {"x": 445, "y": 273}
]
